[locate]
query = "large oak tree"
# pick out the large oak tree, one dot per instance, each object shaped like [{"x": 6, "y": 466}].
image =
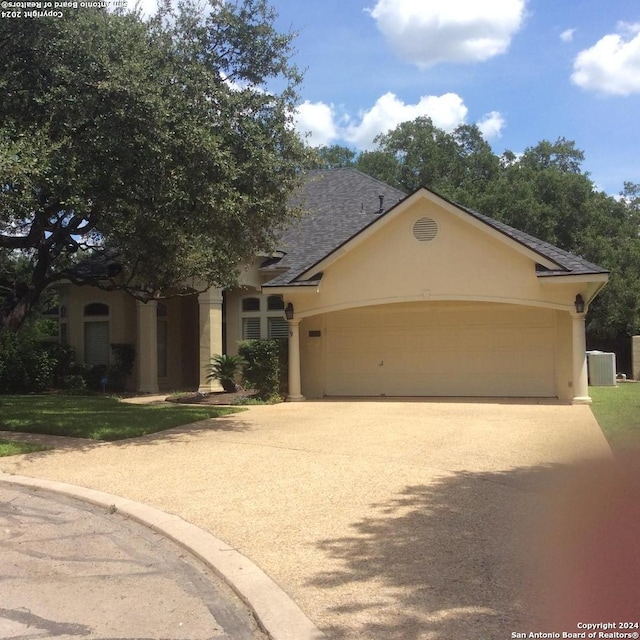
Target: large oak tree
[{"x": 160, "y": 149}]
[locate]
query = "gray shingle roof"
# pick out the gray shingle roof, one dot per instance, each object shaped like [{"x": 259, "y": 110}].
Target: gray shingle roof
[{"x": 338, "y": 204}]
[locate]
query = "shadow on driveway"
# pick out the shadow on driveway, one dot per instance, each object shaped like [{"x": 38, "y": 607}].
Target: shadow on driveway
[{"x": 482, "y": 555}]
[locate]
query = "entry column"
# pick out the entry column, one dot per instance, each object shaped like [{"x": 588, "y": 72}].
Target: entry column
[
  {"x": 580, "y": 379},
  {"x": 295, "y": 387},
  {"x": 147, "y": 333},
  {"x": 210, "y": 322}
]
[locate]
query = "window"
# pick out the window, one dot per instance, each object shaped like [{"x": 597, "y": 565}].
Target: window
[
  {"x": 251, "y": 328},
  {"x": 250, "y": 304},
  {"x": 277, "y": 328},
  {"x": 96, "y": 309},
  {"x": 263, "y": 317},
  {"x": 96, "y": 343},
  {"x": 96, "y": 334},
  {"x": 275, "y": 303}
]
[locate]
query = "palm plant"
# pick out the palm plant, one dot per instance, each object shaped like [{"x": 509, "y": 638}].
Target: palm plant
[{"x": 225, "y": 368}]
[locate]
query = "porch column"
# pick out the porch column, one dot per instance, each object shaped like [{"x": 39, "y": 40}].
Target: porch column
[
  {"x": 147, "y": 332},
  {"x": 580, "y": 380},
  {"x": 210, "y": 303},
  {"x": 295, "y": 387}
]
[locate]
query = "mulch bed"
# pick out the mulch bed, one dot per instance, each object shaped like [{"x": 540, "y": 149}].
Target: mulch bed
[{"x": 217, "y": 397}]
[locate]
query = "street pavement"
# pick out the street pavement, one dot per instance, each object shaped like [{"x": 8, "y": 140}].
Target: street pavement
[{"x": 69, "y": 569}]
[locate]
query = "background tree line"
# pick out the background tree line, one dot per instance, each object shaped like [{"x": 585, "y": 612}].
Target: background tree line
[{"x": 544, "y": 192}]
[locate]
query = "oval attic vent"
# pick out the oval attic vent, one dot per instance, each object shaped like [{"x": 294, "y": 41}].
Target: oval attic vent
[{"x": 425, "y": 229}]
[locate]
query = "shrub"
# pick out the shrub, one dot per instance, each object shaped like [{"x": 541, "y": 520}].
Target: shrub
[
  {"x": 63, "y": 357},
  {"x": 224, "y": 368},
  {"x": 262, "y": 367},
  {"x": 73, "y": 383},
  {"x": 124, "y": 357},
  {"x": 25, "y": 363}
]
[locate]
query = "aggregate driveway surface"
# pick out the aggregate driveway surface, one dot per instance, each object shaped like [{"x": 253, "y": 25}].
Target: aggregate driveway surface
[
  {"x": 69, "y": 569},
  {"x": 382, "y": 519}
]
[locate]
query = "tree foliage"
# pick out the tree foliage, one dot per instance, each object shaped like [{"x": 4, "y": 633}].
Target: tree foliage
[{"x": 161, "y": 139}]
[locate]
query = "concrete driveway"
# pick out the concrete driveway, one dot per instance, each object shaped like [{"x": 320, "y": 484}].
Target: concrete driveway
[{"x": 383, "y": 520}]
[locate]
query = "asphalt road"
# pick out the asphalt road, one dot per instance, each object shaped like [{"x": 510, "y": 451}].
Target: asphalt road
[{"x": 72, "y": 570}]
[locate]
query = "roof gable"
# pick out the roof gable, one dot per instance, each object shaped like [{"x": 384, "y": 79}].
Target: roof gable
[{"x": 342, "y": 207}]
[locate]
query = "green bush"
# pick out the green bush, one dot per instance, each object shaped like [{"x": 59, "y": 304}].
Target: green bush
[
  {"x": 25, "y": 363},
  {"x": 73, "y": 383},
  {"x": 262, "y": 367},
  {"x": 63, "y": 357},
  {"x": 124, "y": 357}
]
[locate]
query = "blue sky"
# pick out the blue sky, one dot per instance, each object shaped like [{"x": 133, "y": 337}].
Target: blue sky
[{"x": 524, "y": 70}]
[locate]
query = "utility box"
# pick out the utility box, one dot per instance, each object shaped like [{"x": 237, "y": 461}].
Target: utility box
[{"x": 602, "y": 368}]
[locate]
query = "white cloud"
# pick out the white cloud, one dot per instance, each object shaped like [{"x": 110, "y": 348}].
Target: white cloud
[
  {"x": 446, "y": 111},
  {"x": 491, "y": 125},
  {"x": 429, "y": 32},
  {"x": 612, "y": 65},
  {"x": 567, "y": 36},
  {"x": 316, "y": 121},
  {"x": 323, "y": 125}
]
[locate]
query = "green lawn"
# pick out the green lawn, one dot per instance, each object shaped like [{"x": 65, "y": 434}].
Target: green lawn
[
  {"x": 97, "y": 418},
  {"x": 8, "y": 448},
  {"x": 617, "y": 410}
]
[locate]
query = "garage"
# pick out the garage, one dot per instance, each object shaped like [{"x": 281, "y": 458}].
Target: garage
[{"x": 440, "y": 349}]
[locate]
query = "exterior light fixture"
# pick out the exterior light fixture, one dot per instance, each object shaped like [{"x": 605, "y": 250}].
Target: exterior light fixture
[
  {"x": 288, "y": 312},
  {"x": 579, "y": 304}
]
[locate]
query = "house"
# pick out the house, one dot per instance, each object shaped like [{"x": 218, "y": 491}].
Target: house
[{"x": 386, "y": 295}]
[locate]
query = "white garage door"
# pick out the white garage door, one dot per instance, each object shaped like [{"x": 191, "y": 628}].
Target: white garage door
[{"x": 437, "y": 349}]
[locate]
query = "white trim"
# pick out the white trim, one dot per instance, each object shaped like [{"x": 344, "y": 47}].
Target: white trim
[{"x": 427, "y": 297}]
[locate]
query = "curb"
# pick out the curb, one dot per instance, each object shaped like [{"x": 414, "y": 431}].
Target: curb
[{"x": 276, "y": 612}]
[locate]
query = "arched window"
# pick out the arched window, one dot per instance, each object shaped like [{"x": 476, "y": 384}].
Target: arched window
[
  {"x": 96, "y": 334},
  {"x": 96, "y": 309}
]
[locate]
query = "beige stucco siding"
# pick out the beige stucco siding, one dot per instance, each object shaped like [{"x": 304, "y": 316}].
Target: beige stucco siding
[
  {"x": 182, "y": 330},
  {"x": 461, "y": 263},
  {"x": 122, "y": 315}
]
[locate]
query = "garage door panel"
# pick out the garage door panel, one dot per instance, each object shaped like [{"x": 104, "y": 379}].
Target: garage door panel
[{"x": 455, "y": 353}]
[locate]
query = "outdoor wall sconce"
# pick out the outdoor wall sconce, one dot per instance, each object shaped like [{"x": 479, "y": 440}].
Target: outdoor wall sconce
[
  {"x": 288, "y": 312},
  {"x": 579, "y": 304}
]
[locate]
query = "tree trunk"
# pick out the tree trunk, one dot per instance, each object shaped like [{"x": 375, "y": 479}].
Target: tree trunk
[{"x": 14, "y": 317}]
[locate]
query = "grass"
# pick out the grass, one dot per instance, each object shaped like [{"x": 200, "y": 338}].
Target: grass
[
  {"x": 96, "y": 418},
  {"x": 617, "y": 410},
  {"x": 8, "y": 448}
]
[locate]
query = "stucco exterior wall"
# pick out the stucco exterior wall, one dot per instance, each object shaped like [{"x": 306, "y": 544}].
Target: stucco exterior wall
[
  {"x": 182, "y": 330},
  {"x": 233, "y": 318},
  {"x": 182, "y": 345},
  {"x": 122, "y": 315},
  {"x": 461, "y": 263}
]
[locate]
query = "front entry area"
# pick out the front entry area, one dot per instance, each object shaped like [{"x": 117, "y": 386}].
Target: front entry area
[{"x": 441, "y": 349}]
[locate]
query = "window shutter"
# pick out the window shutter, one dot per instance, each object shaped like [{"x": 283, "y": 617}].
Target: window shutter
[
  {"x": 96, "y": 343},
  {"x": 251, "y": 328},
  {"x": 278, "y": 328}
]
